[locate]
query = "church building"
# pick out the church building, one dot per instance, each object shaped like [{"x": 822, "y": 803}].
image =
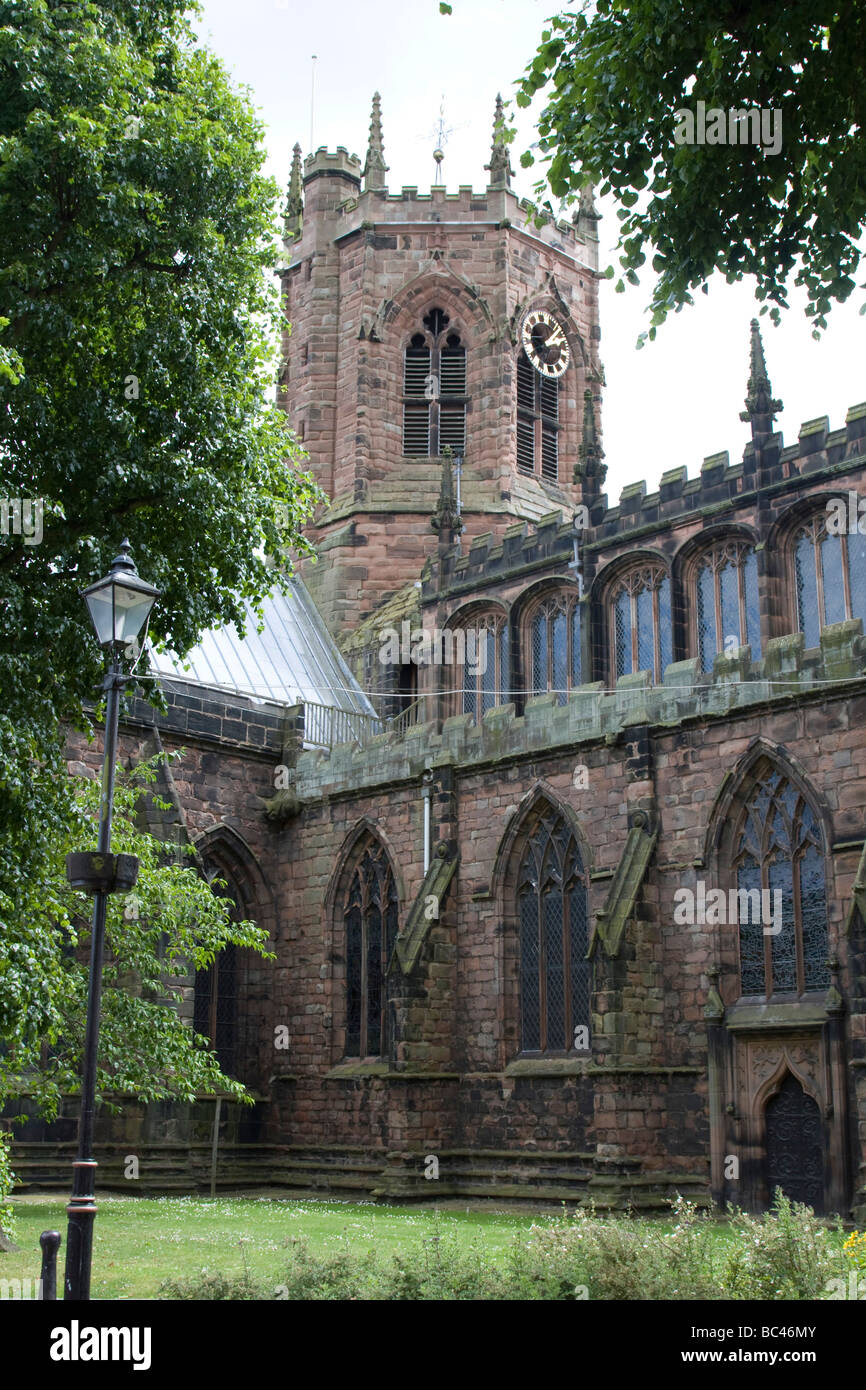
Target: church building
[{"x": 551, "y": 802}]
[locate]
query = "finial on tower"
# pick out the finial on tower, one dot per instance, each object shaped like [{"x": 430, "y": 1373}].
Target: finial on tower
[
  {"x": 500, "y": 165},
  {"x": 375, "y": 167},
  {"x": 295, "y": 200},
  {"x": 589, "y": 468},
  {"x": 761, "y": 409}
]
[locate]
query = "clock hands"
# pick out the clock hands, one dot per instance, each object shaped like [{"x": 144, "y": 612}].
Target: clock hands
[{"x": 545, "y": 343}]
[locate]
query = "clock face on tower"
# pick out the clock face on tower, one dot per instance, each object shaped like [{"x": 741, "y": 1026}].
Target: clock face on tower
[{"x": 544, "y": 343}]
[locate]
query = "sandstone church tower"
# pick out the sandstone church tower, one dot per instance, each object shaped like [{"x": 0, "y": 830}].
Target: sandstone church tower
[{"x": 427, "y": 327}]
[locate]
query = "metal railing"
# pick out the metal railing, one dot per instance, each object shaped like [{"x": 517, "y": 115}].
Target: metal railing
[
  {"x": 407, "y": 718},
  {"x": 325, "y": 727}
]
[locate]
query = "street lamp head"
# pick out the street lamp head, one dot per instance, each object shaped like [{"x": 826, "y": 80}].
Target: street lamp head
[{"x": 120, "y": 604}]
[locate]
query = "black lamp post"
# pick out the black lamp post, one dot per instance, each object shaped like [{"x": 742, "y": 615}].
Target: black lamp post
[{"x": 119, "y": 608}]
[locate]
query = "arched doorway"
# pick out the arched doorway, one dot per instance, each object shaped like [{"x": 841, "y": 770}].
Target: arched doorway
[{"x": 794, "y": 1145}]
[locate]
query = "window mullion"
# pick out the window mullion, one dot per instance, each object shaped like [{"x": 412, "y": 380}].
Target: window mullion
[
  {"x": 362, "y": 1051},
  {"x": 566, "y": 959},
  {"x": 768, "y": 940},
  {"x": 819, "y": 578},
  {"x": 799, "y": 954},
  {"x": 741, "y": 595},
  {"x": 542, "y": 976},
  {"x": 846, "y": 577},
  {"x": 717, "y": 604},
  {"x": 435, "y": 370}
]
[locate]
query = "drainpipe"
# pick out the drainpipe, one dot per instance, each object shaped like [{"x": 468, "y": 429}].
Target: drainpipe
[{"x": 427, "y": 790}]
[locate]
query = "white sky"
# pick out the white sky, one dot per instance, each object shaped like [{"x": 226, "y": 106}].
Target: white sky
[{"x": 673, "y": 402}]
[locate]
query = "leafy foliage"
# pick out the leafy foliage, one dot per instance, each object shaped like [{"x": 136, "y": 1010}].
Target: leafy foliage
[
  {"x": 618, "y": 76},
  {"x": 787, "y": 1254},
  {"x": 138, "y": 344},
  {"x": 171, "y": 923},
  {"x": 7, "y": 1179}
]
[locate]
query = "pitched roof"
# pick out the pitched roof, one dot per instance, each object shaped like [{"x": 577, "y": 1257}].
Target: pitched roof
[{"x": 293, "y": 658}]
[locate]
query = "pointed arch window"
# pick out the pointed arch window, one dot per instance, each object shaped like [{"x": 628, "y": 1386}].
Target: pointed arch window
[
  {"x": 216, "y": 989},
  {"x": 830, "y": 577},
  {"x": 555, "y": 976},
  {"x": 482, "y": 664},
  {"x": 370, "y": 921},
  {"x": 434, "y": 390},
  {"x": 554, "y": 661},
  {"x": 641, "y": 622},
  {"x": 726, "y": 601},
  {"x": 537, "y": 421},
  {"x": 778, "y": 851}
]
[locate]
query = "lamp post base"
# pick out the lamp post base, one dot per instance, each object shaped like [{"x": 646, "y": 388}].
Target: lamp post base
[{"x": 79, "y": 1237}]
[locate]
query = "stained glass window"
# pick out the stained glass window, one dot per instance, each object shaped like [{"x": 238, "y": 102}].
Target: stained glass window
[
  {"x": 554, "y": 646},
  {"x": 779, "y": 864},
  {"x": 370, "y": 918},
  {"x": 641, "y": 604},
  {"x": 434, "y": 390},
  {"x": 555, "y": 978},
  {"x": 537, "y": 421},
  {"x": 830, "y": 577},
  {"x": 481, "y": 664},
  {"x": 727, "y": 610}
]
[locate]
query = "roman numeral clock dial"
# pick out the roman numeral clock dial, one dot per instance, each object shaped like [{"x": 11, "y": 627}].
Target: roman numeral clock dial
[{"x": 545, "y": 343}]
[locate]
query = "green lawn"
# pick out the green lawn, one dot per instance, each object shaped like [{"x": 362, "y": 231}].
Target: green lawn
[{"x": 140, "y": 1241}]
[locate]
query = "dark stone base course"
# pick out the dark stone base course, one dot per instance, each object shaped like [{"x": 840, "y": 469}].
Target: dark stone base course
[
  {"x": 173, "y": 1146},
  {"x": 347, "y": 1174}
]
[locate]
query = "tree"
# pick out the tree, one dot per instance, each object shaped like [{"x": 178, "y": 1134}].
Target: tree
[
  {"x": 170, "y": 925},
  {"x": 138, "y": 344},
  {"x": 621, "y": 74}
]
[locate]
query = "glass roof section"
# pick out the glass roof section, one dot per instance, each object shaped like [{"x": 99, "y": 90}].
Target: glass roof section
[{"x": 294, "y": 658}]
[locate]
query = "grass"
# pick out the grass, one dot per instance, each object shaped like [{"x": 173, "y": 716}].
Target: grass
[{"x": 141, "y": 1240}]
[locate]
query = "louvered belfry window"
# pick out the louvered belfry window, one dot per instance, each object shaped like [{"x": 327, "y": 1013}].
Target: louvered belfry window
[
  {"x": 434, "y": 390},
  {"x": 370, "y": 916},
  {"x": 537, "y": 421},
  {"x": 778, "y": 850},
  {"x": 555, "y": 980}
]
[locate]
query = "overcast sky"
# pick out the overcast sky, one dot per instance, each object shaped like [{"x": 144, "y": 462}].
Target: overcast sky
[{"x": 673, "y": 402}]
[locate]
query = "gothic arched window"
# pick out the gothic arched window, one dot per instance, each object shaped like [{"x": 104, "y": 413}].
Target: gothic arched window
[
  {"x": 554, "y": 646},
  {"x": 726, "y": 601},
  {"x": 537, "y": 421},
  {"x": 641, "y": 605},
  {"x": 370, "y": 917},
  {"x": 830, "y": 577},
  {"x": 215, "y": 995},
  {"x": 555, "y": 979},
  {"x": 482, "y": 666},
  {"x": 778, "y": 861},
  {"x": 434, "y": 390}
]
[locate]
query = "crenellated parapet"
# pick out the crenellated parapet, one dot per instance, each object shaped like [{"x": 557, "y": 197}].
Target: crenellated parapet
[
  {"x": 721, "y": 492},
  {"x": 592, "y": 714}
]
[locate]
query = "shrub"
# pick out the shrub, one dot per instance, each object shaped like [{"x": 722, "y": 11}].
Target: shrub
[
  {"x": 788, "y": 1254},
  {"x": 211, "y": 1286},
  {"x": 7, "y": 1180}
]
